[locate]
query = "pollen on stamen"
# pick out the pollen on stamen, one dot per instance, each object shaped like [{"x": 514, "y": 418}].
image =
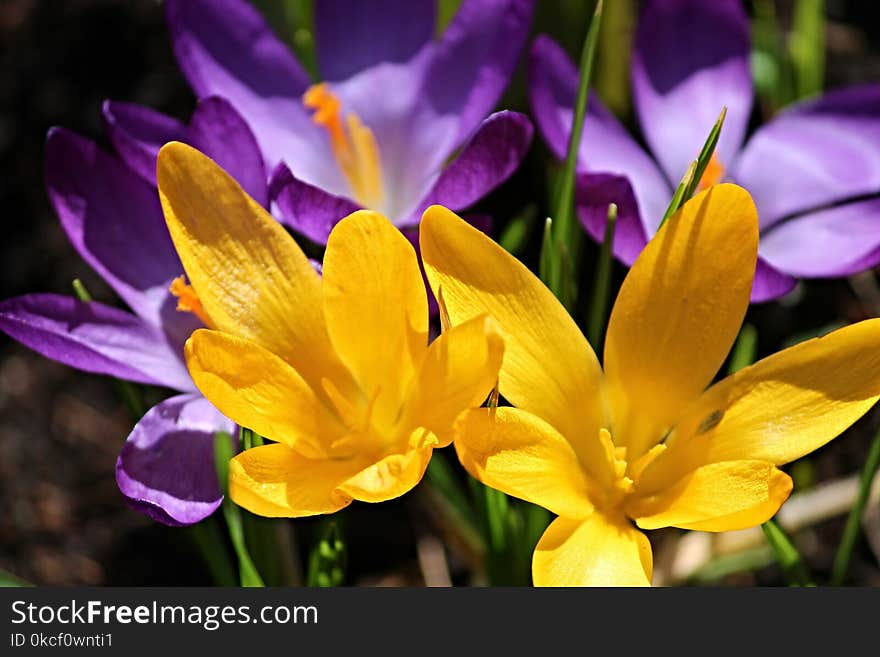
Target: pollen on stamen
[
  {"x": 353, "y": 144},
  {"x": 187, "y": 299},
  {"x": 713, "y": 174}
]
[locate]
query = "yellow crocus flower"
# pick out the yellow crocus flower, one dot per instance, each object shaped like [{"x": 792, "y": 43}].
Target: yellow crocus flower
[
  {"x": 336, "y": 370},
  {"x": 644, "y": 444}
]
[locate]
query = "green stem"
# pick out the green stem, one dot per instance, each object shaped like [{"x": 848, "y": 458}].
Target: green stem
[
  {"x": 744, "y": 350},
  {"x": 602, "y": 286},
  {"x": 208, "y": 540},
  {"x": 563, "y": 273},
  {"x": 496, "y": 512},
  {"x": 546, "y": 263},
  {"x": 223, "y": 453},
  {"x": 248, "y": 574},
  {"x": 854, "y": 521},
  {"x": 787, "y": 555},
  {"x": 806, "y": 46}
]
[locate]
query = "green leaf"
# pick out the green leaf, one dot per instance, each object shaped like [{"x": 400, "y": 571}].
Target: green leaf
[
  {"x": 565, "y": 235},
  {"x": 806, "y": 47},
  {"x": 787, "y": 554},
  {"x": 602, "y": 284},
  {"x": 678, "y": 198},
  {"x": 327, "y": 559},
  {"x": 8, "y": 580},
  {"x": 247, "y": 571},
  {"x": 515, "y": 235},
  {"x": 211, "y": 545},
  {"x": 547, "y": 262},
  {"x": 854, "y": 519},
  {"x": 223, "y": 453},
  {"x": 705, "y": 155},
  {"x": 744, "y": 349}
]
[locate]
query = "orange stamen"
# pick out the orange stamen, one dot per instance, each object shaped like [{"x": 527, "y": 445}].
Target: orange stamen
[
  {"x": 187, "y": 300},
  {"x": 354, "y": 145},
  {"x": 713, "y": 174}
]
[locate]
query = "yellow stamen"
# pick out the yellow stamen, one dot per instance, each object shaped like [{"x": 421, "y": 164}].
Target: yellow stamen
[
  {"x": 621, "y": 484},
  {"x": 638, "y": 467},
  {"x": 188, "y": 300},
  {"x": 354, "y": 145},
  {"x": 713, "y": 174}
]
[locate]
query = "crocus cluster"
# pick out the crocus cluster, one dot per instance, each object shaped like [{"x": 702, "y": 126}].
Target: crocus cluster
[
  {"x": 255, "y": 115},
  {"x": 332, "y": 363}
]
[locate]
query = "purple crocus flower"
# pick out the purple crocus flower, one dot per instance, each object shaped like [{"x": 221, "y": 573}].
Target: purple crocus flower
[
  {"x": 393, "y": 106},
  {"x": 110, "y": 210},
  {"x": 811, "y": 170}
]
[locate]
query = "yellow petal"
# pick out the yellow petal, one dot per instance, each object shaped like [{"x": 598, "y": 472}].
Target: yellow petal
[
  {"x": 250, "y": 276},
  {"x": 376, "y": 306},
  {"x": 780, "y": 408},
  {"x": 519, "y": 454},
  {"x": 718, "y": 497},
  {"x": 258, "y": 390},
  {"x": 458, "y": 373},
  {"x": 549, "y": 368},
  {"x": 275, "y": 481},
  {"x": 596, "y": 551},
  {"x": 678, "y": 313},
  {"x": 388, "y": 478}
]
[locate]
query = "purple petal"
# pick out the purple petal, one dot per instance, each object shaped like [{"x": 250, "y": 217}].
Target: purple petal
[
  {"x": 827, "y": 244},
  {"x": 138, "y": 133},
  {"x": 493, "y": 154},
  {"x": 349, "y": 33},
  {"x": 691, "y": 58},
  {"x": 219, "y": 132},
  {"x": 225, "y": 48},
  {"x": 770, "y": 283},
  {"x": 305, "y": 208},
  {"x": 594, "y": 193},
  {"x": 553, "y": 81},
  {"x": 422, "y": 111},
  {"x": 412, "y": 145},
  {"x": 95, "y": 338},
  {"x": 166, "y": 467},
  {"x": 814, "y": 154},
  {"x": 475, "y": 59},
  {"x": 606, "y": 146},
  {"x": 114, "y": 220}
]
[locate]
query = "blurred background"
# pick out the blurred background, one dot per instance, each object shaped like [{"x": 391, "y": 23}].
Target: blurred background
[{"x": 62, "y": 519}]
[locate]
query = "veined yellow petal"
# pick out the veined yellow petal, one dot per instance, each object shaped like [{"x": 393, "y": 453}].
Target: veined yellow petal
[
  {"x": 717, "y": 497},
  {"x": 388, "y": 478},
  {"x": 376, "y": 307},
  {"x": 278, "y": 482},
  {"x": 780, "y": 408},
  {"x": 519, "y": 454},
  {"x": 678, "y": 313},
  {"x": 595, "y": 551},
  {"x": 250, "y": 276},
  {"x": 549, "y": 368},
  {"x": 258, "y": 390},
  {"x": 458, "y": 372}
]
